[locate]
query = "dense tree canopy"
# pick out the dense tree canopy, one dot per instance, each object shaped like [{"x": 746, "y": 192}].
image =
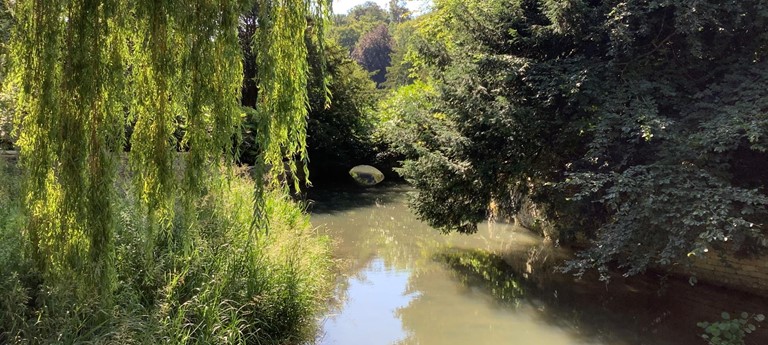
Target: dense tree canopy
[
  {"x": 405, "y": 43},
  {"x": 398, "y": 13},
  {"x": 642, "y": 124},
  {"x": 367, "y": 32}
]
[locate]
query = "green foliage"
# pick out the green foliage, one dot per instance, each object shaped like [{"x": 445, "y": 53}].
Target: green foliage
[
  {"x": 398, "y": 13},
  {"x": 6, "y": 122},
  {"x": 14, "y": 296},
  {"x": 87, "y": 257},
  {"x": 416, "y": 129},
  {"x": 236, "y": 288},
  {"x": 339, "y": 133},
  {"x": 640, "y": 124},
  {"x": 369, "y": 12},
  {"x": 404, "y": 41},
  {"x": 372, "y": 52},
  {"x": 365, "y": 31},
  {"x": 282, "y": 102},
  {"x": 730, "y": 331},
  {"x": 407, "y": 119},
  {"x": 68, "y": 181},
  {"x": 226, "y": 287},
  {"x": 361, "y": 19},
  {"x": 6, "y": 101},
  {"x": 81, "y": 68}
]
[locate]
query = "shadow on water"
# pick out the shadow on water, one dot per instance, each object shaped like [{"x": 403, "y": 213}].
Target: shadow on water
[
  {"x": 401, "y": 281},
  {"x": 334, "y": 199},
  {"x": 632, "y": 311}
]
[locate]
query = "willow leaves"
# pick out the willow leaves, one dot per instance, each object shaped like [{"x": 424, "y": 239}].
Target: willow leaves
[{"x": 84, "y": 70}]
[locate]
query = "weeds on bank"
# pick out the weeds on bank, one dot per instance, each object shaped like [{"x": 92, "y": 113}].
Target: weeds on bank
[
  {"x": 730, "y": 331},
  {"x": 208, "y": 279}
]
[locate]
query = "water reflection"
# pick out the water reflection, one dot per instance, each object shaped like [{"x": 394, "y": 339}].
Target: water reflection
[
  {"x": 481, "y": 268},
  {"x": 402, "y": 282},
  {"x": 374, "y": 299},
  {"x": 547, "y": 304}
]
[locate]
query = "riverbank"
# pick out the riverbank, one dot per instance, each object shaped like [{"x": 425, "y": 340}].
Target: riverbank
[
  {"x": 745, "y": 270},
  {"x": 205, "y": 279}
]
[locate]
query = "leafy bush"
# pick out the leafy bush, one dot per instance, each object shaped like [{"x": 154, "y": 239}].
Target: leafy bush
[{"x": 730, "y": 331}]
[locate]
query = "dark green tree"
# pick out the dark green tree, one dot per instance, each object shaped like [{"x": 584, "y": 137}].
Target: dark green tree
[
  {"x": 641, "y": 124},
  {"x": 339, "y": 132}
]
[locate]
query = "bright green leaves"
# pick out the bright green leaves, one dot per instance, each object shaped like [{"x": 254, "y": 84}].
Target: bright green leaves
[
  {"x": 157, "y": 99},
  {"x": 172, "y": 69},
  {"x": 213, "y": 70},
  {"x": 283, "y": 74},
  {"x": 408, "y": 121},
  {"x": 187, "y": 79},
  {"x": 37, "y": 108},
  {"x": 68, "y": 68}
]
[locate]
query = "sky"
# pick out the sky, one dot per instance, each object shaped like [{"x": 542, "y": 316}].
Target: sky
[{"x": 343, "y": 6}]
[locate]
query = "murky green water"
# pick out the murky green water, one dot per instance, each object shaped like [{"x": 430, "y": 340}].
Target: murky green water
[{"x": 404, "y": 283}]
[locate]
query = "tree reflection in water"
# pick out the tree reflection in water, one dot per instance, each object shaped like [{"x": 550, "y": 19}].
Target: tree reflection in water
[
  {"x": 498, "y": 286},
  {"x": 481, "y": 268}
]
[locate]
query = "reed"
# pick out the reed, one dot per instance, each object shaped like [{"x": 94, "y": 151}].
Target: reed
[{"x": 208, "y": 280}]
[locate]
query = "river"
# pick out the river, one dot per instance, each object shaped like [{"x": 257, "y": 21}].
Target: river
[{"x": 402, "y": 282}]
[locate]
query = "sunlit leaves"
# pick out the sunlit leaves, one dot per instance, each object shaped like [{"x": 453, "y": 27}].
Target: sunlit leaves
[
  {"x": 71, "y": 125},
  {"x": 283, "y": 75},
  {"x": 83, "y": 68}
]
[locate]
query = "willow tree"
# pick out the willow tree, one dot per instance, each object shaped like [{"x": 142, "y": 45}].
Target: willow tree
[{"x": 82, "y": 68}]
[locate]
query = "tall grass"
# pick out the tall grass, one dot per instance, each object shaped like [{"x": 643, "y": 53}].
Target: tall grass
[{"x": 206, "y": 279}]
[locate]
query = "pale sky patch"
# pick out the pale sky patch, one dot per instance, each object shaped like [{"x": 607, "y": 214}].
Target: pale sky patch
[{"x": 343, "y": 6}]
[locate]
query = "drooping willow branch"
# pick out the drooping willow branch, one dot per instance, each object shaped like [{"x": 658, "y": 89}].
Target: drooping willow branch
[{"x": 85, "y": 68}]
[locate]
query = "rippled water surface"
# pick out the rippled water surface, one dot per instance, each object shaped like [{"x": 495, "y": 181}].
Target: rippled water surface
[{"x": 402, "y": 282}]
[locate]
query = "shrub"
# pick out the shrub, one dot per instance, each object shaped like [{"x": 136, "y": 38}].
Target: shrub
[{"x": 730, "y": 331}]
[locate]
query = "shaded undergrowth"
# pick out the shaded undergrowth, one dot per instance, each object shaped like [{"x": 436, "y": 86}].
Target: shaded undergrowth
[{"x": 206, "y": 278}]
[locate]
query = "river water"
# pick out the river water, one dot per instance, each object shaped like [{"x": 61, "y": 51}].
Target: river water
[{"x": 402, "y": 282}]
